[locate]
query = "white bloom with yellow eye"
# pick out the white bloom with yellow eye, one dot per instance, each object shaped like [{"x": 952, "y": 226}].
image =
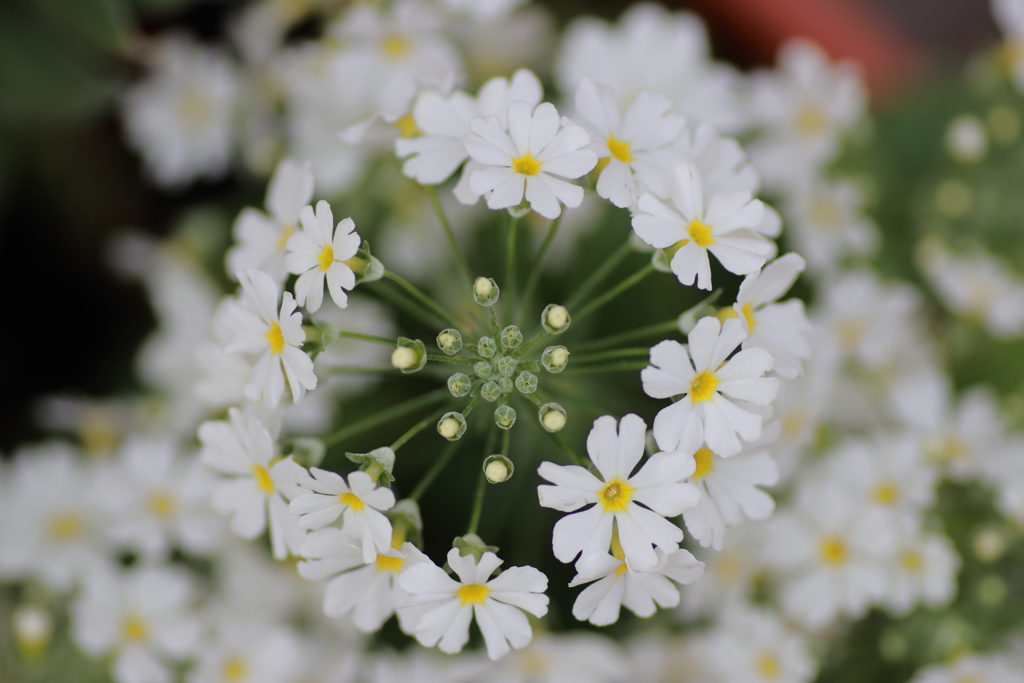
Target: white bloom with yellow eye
[
  {"x": 258, "y": 483},
  {"x": 616, "y": 585},
  {"x": 633, "y": 147},
  {"x": 752, "y": 644},
  {"x": 1009, "y": 15},
  {"x": 326, "y": 496},
  {"x": 181, "y": 117},
  {"x": 495, "y": 603},
  {"x": 243, "y": 649},
  {"x": 801, "y": 111},
  {"x": 572, "y": 657},
  {"x": 826, "y": 222},
  {"x": 829, "y": 556},
  {"x": 432, "y": 157},
  {"x": 257, "y": 329},
  {"x": 781, "y": 329},
  {"x": 369, "y": 590},
  {"x": 688, "y": 232},
  {"x": 923, "y": 569},
  {"x": 729, "y": 489},
  {"x": 989, "y": 668},
  {"x": 321, "y": 252},
  {"x": 615, "y": 498},
  {"x": 704, "y": 378},
  {"x": 260, "y": 238},
  {"x": 141, "y": 617},
  {"x": 523, "y": 158}
]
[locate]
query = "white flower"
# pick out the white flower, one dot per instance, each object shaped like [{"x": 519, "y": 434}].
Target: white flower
[
  {"x": 923, "y": 569},
  {"x": 617, "y": 585},
  {"x": 50, "y": 528},
  {"x": 830, "y": 555},
  {"x": 327, "y": 496},
  {"x": 633, "y": 145},
  {"x": 729, "y": 574},
  {"x": 780, "y": 329},
  {"x": 369, "y": 590},
  {"x": 156, "y": 500},
  {"x": 524, "y": 156},
  {"x": 482, "y": 11},
  {"x": 615, "y": 453},
  {"x": 751, "y": 644},
  {"x": 704, "y": 377},
  {"x": 258, "y": 329},
  {"x": 260, "y": 238},
  {"x": 249, "y": 650},
  {"x": 142, "y": 617},
  {"x": 495, "y": 603},
  {"x": 723, "y": 165},
  {"x": 181, "y": 118},
  {"x": 321, "y": 251},
  {"x": 827, "y": 224},
  {"x": 574, "y": 657},
  {"x": 259, "y": 482},
  {"x": 432, "y": 157},
  {"x": 990, "y": 668},
  {"x": 689, "y": 232},
  {"x": 1009, "y": 15},
  {"x": 802, "y": 110},
  {"x": 728, "y": 487}
]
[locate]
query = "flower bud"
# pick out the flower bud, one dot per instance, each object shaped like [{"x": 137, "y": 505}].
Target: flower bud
[
  {"x": 511, "y": 337},
  {"x": 449, "y": 341},
  {"x": 486, "y": 347},
  {"x": 452, "y": 426},
  {"x": 526, "y": 382},
  {"x": 555, "y": 358},
  {"x": 498, "y": 468},
  {"x": 33, "y": 627},
  {"x": 483, "y": 369},
  {"x": 555, "y": 318},
  {"x": 506, "y": 385},
  {"x": 552, "y": 417},
  {"x": 403, "y": 358},
  {"x": 490, "y": 391},
  {"x": 506, "y": 366},
  {"x": 505, "y": 416},
  {"x": 410, "y": 355},
  {"x": 485, "y": 291},
  {"x": 459, "y": 384}
]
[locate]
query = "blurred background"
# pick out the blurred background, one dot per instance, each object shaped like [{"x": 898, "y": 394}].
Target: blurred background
[{"x": 69, "y": 184}]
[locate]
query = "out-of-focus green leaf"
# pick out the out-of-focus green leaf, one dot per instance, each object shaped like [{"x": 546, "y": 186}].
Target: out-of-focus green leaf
[
  {"x": 44, "y": 78},
  {"x": 107, "y": 24}
]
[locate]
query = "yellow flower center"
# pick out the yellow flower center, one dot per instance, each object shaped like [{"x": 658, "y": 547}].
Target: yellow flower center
[
  {"x": 704, "y": 458},
  {"x": 887, "y": 493},
  {"x": 824, "y": 214},
  {"x": 386, "y": 563},
  {"x": 833, "y": 551},
  {"x": 615, "y": 495},
  {"x": 286, "y": 232},
  {"x": 98, "y": 431},
  {"x": 194, "y": 108},
  {"x": 911, "y": 561},
  {"x": 602, "y": 164},
  {"x": 748, "y": 315},
  {"x": 235, "y": 670},
  {"x": 850, "y": 333},
  {"x": 162, "y": 504},
  {"x": 275, "y": 337},
  {"x": 811, "y": 119},
  {"x": 700, "y": 233},
  {"x": 326, "y": 257},
  {"x": 526, "y": 165},
  {"x": 64, "y": 526},
  {"x": 407, "y": 127},
  {"x": 793, "y": 423},
  {"x": 724, "y": 314},
  {"x": 473, "y": 593},
  {"x": 768, "y": 666},
  {"x": 395, "y": 46},
  {"x": 1009, "y": 54},
  {"x": 619, "y": 149},
  {"x": 263, "y": 481},
  {"x": 946, "y": 449},
  {"x": 134, "y": 629},
  {"x": 353, "y": 501},
  {"x": 702, "y": 387},
  {"x": 617, "y": 552}
]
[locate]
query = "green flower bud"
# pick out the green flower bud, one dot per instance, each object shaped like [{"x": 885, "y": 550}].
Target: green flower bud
[{"x": 449, "y": 341}]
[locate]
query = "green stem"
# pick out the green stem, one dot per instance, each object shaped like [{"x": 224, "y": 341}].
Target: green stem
[
  {"x": 510, "y": 268},
  {"x": 423, "y": 298},
  {"x": 472, "y": 404},
  {"x": 460, "y": 360},
  {"x": 521, "y": 351},
  {"x": 435, "y": 469},
  {"x": 613, "y": 292},
  {"x": 613, "y": 260},
  {"x": 610, "y": 367},
  {"x": 495, "y": 330},
  {"x": 576, "y": 458},
  {"x": 481, "y": 487},
  {"x": 614, "y": 353},
  {"x": 356, "y": 370},
  {"x": 538, "y": 261},
  {"x": 403, "y": 302},
  {"x": 384, "y": 416},
  {"x": 639, "y": 333},
  {"x": 368, "y": 337},
  {"x": 460, "y": 258},
  {"x": 418, "y": 427}
]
